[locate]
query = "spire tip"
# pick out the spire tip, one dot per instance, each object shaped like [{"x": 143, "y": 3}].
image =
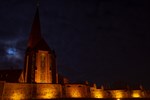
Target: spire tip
[{"x": 37, "y": 3}]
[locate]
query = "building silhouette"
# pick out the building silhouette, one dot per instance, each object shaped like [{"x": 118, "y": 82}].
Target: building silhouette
[
  {"x": 39, "y": 78},
  {"x": 40, "y": 65}
]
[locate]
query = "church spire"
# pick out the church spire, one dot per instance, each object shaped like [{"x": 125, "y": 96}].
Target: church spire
[
  {"x": 35, "y": 34},
  {"x": 37, "y": 3}
]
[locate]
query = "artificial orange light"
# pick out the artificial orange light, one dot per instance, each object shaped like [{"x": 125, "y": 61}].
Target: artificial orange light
[
  {"x": 98, "y": 94},
  {"x": 75, "y": 94},
  {"x": 17, "y": 96},
  {"x": 118, "y": 94},
  {"x": 48, "y": 94},
  {"x": 136, "y": 95}
]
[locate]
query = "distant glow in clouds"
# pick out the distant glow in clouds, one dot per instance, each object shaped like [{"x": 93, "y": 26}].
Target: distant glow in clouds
[{"x": 11, "y": 51}]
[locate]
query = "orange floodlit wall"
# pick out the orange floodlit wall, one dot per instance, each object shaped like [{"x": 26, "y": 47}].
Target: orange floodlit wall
[
  {"x": 43, "y": 74},
  {"x": 48, "y": 91},
  {"x": 76, "y": 91},
  {"x": 119, "y": 94},
  {"x": 97, "y": 93},
  {"x": 18, "y": 91},
  {"x": 137, "y": 94}
]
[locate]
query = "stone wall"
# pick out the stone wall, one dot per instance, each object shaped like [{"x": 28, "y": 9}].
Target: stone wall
[
  {"x": 97, "y": 93},
  {"x": 31, "y": 91},
  {"x": 16, "y": 91},
  {"x": 76, "y": 91},
  {"x": 137, "y": 94},
  {"x": 13, "y": 91},
  {"x": 119, "y": 93},
  {"x": 47, "y": 91}
]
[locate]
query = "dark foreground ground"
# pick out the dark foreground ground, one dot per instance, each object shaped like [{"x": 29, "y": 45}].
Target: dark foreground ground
[{"x": 101, "y": 99}]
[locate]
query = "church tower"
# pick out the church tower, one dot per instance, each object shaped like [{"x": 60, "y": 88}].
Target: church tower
[{"x": 39, "y": 63}]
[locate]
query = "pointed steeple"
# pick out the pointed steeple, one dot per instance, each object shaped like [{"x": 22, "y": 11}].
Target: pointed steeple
[
  {"x": 35, "y": 34},
  {"x": 40, "y": 63},
  {"x": 36, "y": 41}
]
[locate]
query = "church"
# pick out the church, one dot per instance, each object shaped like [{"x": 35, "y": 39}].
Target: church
[{"x": 39, "y": 79}]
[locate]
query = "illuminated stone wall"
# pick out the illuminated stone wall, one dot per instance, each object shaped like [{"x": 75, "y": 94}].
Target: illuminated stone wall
[
  {"x": 16, "y": 91},
  {"x": 47, "y": 91},
  {"x": 119, "y": 93},
  {"x": 76, "y": 91},
  {"x": 100, "y": 93},
  {"x": 137, "y": 94},
  {"x": 43, "y": 73},
  {"x": 97, "y": 93}
]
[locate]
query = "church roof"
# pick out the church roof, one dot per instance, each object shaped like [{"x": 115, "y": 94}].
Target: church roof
[{"x": 42, "y": 45}]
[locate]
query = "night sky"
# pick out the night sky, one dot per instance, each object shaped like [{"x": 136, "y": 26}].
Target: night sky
[{"x": 102, "y": 41}]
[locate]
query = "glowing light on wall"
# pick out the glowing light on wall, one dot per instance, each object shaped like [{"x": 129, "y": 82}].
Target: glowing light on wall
[
  {"x": 117, "y": 94},
  {"x": 17, "y": 96},
  {"x": 98, "y": 94},
  {"x": 136, "y": 94},
  {"x": 42, "y": 72},
  {"x": 48, "y": 94},
  {"x": 76, "y": 91},
  {"x": 75, "y": 94}
]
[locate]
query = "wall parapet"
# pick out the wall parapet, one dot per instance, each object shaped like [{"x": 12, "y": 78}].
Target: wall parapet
[{"x": 13, "y": 91}]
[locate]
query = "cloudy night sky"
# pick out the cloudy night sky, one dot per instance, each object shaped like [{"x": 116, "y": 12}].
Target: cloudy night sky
[{"x": 102, "y": 41}]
